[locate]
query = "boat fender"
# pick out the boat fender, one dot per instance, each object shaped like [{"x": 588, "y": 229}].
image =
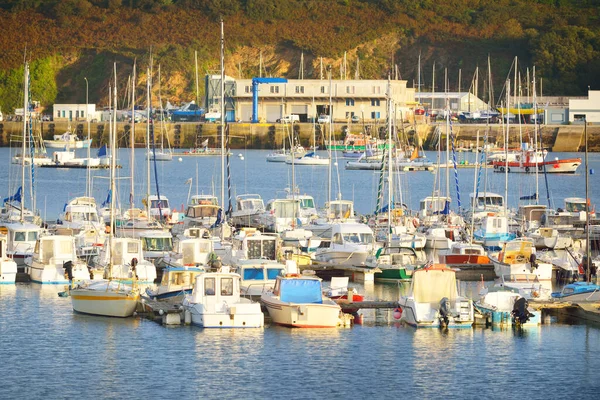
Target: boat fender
[
  {"x": 526, "y": 169},
  {"x": 397, "y": 314},
  {"x": 540, "y": 167}
]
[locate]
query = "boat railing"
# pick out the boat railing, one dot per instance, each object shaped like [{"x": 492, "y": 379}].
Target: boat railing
[{"x": 254, "y": 285}]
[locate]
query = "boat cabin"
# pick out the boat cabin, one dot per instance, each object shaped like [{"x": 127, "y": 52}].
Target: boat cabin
[
  {"x": 249, "y": 202},
  {"x": 351, "y": 233},
  {"x": 201, "y": 215},
  {"x": 340, "y": 209},
  {"x": 214, "y": 288},
  {"x": 517, "y": 251},
  {"x": 283, "y": 208},
  {"x": 252, "y": 245},
  {"x": 295, "y": 288},
  {"x": 430, "y": 206},
  {"x": 487, "y": 201},
  {"x": 257, "y": 277},
  {"x": 531, "y": 214},
  {"x": 156, "y": 244},
  {"x": 159, "y": 207},
  {"x": 577, "y": 207},
  {"x": 198, "y": 199},
  {"x": 398, "y": 255},
  {"x": 55, "y": 250},
  {"x": 195, "y": 251},
  {"x": 21, "y": 238}
]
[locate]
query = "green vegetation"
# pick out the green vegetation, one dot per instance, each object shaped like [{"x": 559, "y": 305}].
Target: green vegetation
[{"x": 69, "y": 40}]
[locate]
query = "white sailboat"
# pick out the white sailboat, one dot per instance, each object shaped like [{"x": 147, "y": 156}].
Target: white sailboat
[
  {"x": 106, "y": 297},
  {"x": 163, "y": 153}
]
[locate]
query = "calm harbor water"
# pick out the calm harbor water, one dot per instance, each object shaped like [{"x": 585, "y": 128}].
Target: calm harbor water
[{"x": 49, "y": 352}]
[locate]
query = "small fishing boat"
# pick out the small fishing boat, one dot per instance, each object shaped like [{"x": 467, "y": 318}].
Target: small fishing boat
[
  {"x": 308, "y": 159},
  {"x": 396, "y": 263},
  {"x": 258, "y": 276},
  {"x": 176, "y": 282},
  {"x": 433, "y": 300},
  {"x": 54, "y": 261},
  {"x": 215, "y": 302},
  {"x": 67, "y": 140},
  {"x": 297, "y": 301},
  {"x": 578, "y": 291},
  {"x": 505, "y": 307},
  {"x": 518, "y": 257},
  {"x": 349, "y": 244},
  {"x": 247, "y": 209}
]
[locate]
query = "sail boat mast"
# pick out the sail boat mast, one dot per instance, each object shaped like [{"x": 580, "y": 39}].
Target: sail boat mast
[
  {"x": 222, "y": 122},
  {"x": 25, "y": 109},
  {"x": 132, "y": 137},
  {"x": 506, "y": 138},
  {"x": 389, "y": 159}
]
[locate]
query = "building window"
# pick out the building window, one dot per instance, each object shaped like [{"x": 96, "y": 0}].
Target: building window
[
  {"x": 375, "y": 102},
  {"x": 63, "y": 114},
  {"x": 375, "y": 115},
  {"x": 323, "y": 89},
  {"x": 349, "y": 102},
  {"x": 248, "y": 89},
  {"x": 299, "y": 89},
  {"x": 350, "y": 89},
  {"x": 274, "y": 89},
  {"x": 58, "y": 114},
  {"x": 376, "y": 89}
]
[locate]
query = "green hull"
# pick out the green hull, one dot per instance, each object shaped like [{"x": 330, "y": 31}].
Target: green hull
[{"x": 393, "y": 274}]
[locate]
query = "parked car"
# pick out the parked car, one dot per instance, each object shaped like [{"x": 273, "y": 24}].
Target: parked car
[
  {"x": 323, "y": 119},
  {"x": 289, "y": 118}
]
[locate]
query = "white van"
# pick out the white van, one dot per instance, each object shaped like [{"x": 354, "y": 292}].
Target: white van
[
  {"x": 289, "y": 118},
  {"x": 323, "y": 119}
]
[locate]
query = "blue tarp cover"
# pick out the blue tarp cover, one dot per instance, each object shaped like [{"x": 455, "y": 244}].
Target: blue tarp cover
[{"x": 301, "y": 291}]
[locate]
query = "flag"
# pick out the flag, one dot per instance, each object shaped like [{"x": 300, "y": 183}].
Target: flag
[
  {"x": 188, "y": 182},
  {"x": 205, "y": 143},
  {"x": 415, "y": 154},
  {"x": 532, "y": 197},
  {"x": 102, "y": 151},
  {"x": 16, "y": 197},
  {"x": 107, "y": 201},
  {"x": 219, "y": 220}
]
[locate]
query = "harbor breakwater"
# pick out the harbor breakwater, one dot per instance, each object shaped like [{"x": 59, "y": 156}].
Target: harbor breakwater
[{"x": 187, "y": 135}]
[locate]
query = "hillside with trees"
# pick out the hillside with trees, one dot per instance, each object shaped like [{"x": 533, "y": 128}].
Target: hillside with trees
[{"x": 66, "y": 41}]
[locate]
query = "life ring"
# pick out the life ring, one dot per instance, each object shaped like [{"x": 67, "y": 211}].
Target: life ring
[
  {"x": 540, "y": 167},
  {"x": 501, "y": 169},
  {"x": 292, "y": 275},
  {"x": 526, "y": 169}
]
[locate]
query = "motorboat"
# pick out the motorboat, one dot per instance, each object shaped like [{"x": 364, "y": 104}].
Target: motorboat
[
  {"x": 349, "y": 244},
  {"x": 441, "y": 237},
  {"x": 258, "y": 276},
  {"x": 156, "y": 244},
  {"x": 335, "y": 211},
  {"x": 338, "y": 291},
  {"x": 215, "y": 302},
  {"x": 201, "y": 215},
  {"x": 297, "y": 301},
  {"x": 8, "y": 268},
  {"x": 395, "y": 262},
  {"x": 280, "y": 215},
  {"x": 493, "y": 231},
  {"x": 158, "y": 207},
  {"x": 247, "y": 209},
  {"x": 67, "y": 140},
  {"x": 126, "y": 261},
  {"x": 176, "y": 282},
  {"x": 505, "y": 307},
  {"x": 578, "y": 291},
  {"x": 302, "y": 239},
  {"x": 188, "y": 252},
  {"x": 21, "y": 239},
  {"x": 434, "y": 302},
  {"x": 55, "y": 261},
  {"x": 528, "y": 286},
  {"x": 465, "y": 254},
  {"x": 550, "y": 238},
  {"x": 135, "y": 222},
  {"x": 518, "y": 257}
]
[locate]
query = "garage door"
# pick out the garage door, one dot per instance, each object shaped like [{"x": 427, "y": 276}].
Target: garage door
[
  {"x": 300, "y": 109},
  {"x": 273, "y": 113},
  {"x": 246, "y": 112}
]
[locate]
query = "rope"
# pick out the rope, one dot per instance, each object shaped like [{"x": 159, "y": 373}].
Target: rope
[{"x": 230, "y": 207}]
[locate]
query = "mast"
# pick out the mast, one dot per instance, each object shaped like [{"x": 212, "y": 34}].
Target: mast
[
  {"x": 196, "y": 65},
  {"x": 113, "y": 156},
  {"x": 535, "y": 131},
  {"x": 330, "y": 138},
  {"x": 389, "y": 159},
  {"x": 474, "y": 200},
  {"x": 148, "y": 106},
  {"x": 506, "y": 138},
  {"x": 588, "y": 255},
  {"x": 447, "y": 135},
  {"x": 132, "y": 138},
  {"x": 419, "y": 79},
  {"x": 223, "y": 123},
  {"x": 25, "y": 109},
  {"x": 88, "y": 186}
]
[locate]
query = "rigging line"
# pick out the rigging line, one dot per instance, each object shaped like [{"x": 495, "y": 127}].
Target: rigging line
[{"x": 455, "y": 167}]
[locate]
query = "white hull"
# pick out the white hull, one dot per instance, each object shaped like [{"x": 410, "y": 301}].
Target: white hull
[
  {"x": 543, "y": 271},
  {"x": 426, "y": 315},
  {"x": 236, "y": 315},
  {"x": 341, "y": 257},
  {"x": 55, "y": 274},
  {"x": 8, "y": 272},
  {"x": 438, "y": 243},
  {"x": 555, "y": 242},
  {"x": 308, "y": 161},
  {"x": 104, "y": 298},
  {"x": 301, "y": 315},
  {"x": 71, "y": 144},
  {"x": 160, "y": 155}
]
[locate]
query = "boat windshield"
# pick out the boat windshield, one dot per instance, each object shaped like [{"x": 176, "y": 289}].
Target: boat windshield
[
  {"x": 575, "y": 207},
  {"x": 489, "y": 201},
  {"x": 301, "y": 291},
  {"x": 21, "y": 236},
  {"x": 164, "y": 204},
  {"x": 340, "y": 210},
  {"x": 157, "y": 244},
  {"x": 357, "y": 237},
  {"x": 83, "y": 216},
  {"x": 254, "y": 274},
  {"x": 307, "y": 203}
]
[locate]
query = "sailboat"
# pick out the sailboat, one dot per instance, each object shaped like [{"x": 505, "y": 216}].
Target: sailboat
[
  {"x": 310, "y": 158},
  {"x": 107, "y": 297}
]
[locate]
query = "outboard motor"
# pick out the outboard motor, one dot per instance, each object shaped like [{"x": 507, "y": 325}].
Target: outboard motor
[
  {"x": 533, "y": 260},
  {"x": 520, "y": 313},
  {"x": 68, "y": 267},
  {"x": 444, "y": 312}
]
